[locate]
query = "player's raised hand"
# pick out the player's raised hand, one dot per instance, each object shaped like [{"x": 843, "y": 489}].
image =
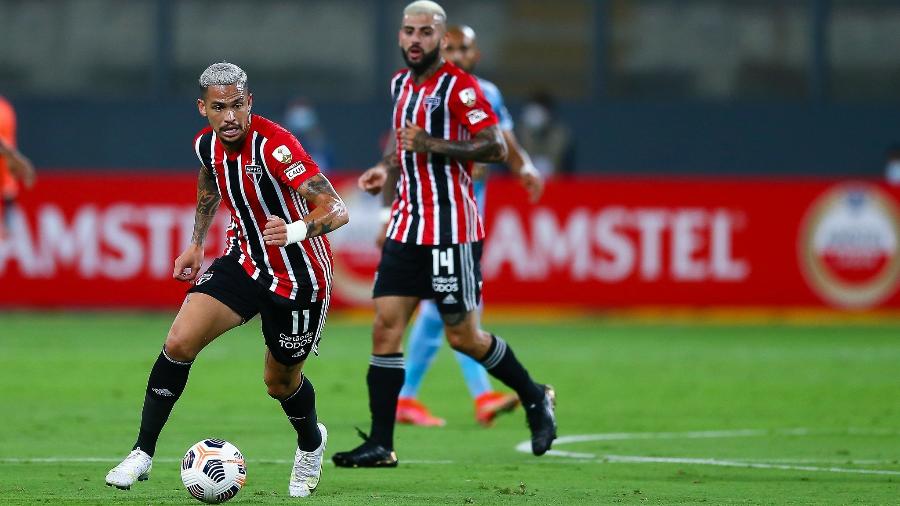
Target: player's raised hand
[
  {"x": 275, "y": 232},
  {"x": 373, "y": 179},
  {"x": 412, "y": 137},
  {"x": 533, "y": 182},
  {"x": 187, "y": 265}
]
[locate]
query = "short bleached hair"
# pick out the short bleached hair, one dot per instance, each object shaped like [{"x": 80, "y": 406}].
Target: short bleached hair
[
  {"x": 426, "y": 7},
  {"x": 223, "y": 74}
]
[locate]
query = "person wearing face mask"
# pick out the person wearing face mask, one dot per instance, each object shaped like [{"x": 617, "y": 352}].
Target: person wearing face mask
[
  {"x": 543, "y": 135},
  {"x": 302, "y": 121}
]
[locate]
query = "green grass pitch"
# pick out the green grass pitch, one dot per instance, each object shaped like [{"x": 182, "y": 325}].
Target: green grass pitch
[{"x": 666, "y": 414}]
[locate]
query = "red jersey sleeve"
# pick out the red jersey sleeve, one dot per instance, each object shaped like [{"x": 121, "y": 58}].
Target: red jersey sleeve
[
  {"x": 468, "y": 105},
  {"x": 288, "y": 161}
]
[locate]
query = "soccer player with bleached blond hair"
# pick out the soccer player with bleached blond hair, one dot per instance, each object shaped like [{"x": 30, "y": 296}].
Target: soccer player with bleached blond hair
[
  {"x": 443, "y": 124},
  {"x": 277, "y": 263}
]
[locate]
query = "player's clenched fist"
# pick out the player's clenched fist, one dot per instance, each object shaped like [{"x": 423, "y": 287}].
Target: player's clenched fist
[
  {"x": 412, "y": 137},
  {"x": 275, "y": 233},
  {"x": 187, "y": 265}
]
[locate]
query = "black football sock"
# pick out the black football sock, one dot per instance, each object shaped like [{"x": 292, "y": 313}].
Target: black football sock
[
  {"x": 385, "y": 379},
  {"x": 300, "y": 409},
  {"x": 502, "y": 363},
  {"x": 165, "y": 385}
]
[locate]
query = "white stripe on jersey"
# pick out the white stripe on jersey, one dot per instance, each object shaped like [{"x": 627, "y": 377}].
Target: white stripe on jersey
[
  {"x": 451, "y": 188},
  {"x": 403, "y": 167},
  {"x": 287, "y": 263},
  {"x": 246, "y": 202},
  {"x": 431, "y": 176},
  {"x": 303, "y": 210},
  {"x": 237, "y": 214}
]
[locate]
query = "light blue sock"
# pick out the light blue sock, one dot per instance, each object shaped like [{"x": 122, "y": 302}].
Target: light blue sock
[
  {"x": 424, "y": 341},
  {"x": 474, "y": 373}
]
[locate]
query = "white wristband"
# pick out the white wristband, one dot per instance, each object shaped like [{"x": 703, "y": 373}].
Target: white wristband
[
  {"x": 296, "y": 232},
  {"x": 384, "y": 214}
]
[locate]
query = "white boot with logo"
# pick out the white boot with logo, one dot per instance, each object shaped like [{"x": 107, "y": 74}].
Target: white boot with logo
[
  {"x": 135, "y": 467},
  {"x": 307, "y": 468}
]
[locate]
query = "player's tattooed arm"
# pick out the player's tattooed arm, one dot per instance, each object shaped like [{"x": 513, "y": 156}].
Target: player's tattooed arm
[
  {"x": 208, "y": 199},
  {"x": 488, "y": 145},
  {"x": 330, "y": 212}
]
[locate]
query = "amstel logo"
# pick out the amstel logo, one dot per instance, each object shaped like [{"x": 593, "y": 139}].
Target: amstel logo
[{"x": 848, "y": 246}]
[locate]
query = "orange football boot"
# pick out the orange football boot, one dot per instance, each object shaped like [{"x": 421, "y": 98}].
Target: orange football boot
[
  {"x": 413, "y": 412},
  {"x": 490, "y": 404}
]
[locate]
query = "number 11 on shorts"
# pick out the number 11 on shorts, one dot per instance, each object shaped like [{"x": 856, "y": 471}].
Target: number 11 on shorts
[
  {"x": 442, "y": 258},
  {"x": 296, "y": 318}
]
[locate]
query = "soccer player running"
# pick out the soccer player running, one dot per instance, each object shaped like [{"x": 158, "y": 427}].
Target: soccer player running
[
  {"x": 443, "y": 124},
  {"x": 461, "y": 49},
  {"x": 277, "y": 263}
]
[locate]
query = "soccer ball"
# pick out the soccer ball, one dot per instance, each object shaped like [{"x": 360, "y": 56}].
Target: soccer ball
[{"x": 213, "y": 470}]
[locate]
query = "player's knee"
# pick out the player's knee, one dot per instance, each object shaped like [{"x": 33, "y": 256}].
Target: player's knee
[
  {"x": 179, "y": 346},
  {"x": 279, "y": 387},
  {"x": 386, "y": 334},
  {"x": 461, "y": 342}
]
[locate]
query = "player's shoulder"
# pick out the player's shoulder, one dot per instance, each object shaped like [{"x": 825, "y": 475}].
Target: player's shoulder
[
  {"x": 461, "y": 75},
  {"x": 270, "y": 129},
  {"x": 205, "y": 134},
  {"x": 400, "y": 72}
]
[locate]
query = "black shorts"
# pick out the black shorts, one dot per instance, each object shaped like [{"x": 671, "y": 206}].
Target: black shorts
[
  {"x": 449, "y": 274},
  {"x": 291, "y": 328}
]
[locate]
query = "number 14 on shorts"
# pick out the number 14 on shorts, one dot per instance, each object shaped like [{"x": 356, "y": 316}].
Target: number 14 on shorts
[{"x": 442, "y": 259}]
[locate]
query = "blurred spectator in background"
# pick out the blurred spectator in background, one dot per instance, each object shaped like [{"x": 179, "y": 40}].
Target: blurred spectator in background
[
  {"x": 892, "y": 165},
  {"x": 301, "y": 119},
  {"x": 14, "y": 167},
  {"x": 544, "y": 136}
]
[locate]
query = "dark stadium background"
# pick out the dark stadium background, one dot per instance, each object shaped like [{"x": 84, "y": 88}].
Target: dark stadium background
[{"x": 684, "y": 87}]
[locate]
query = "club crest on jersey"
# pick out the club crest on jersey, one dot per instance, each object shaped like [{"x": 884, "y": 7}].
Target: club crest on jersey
[
  {"x": 294, "y": 170},
  {"x": 467, "y": 96},
  {"x": 476, "y": 115},
  {"x": 282, "y": 154},
  {"x": 254, "y": 172},
  {"x": 432, "y": 103}
]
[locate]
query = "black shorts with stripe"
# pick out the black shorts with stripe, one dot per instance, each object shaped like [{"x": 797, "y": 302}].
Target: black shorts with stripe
[
  {"x": 291, "y": 328},
  {"x": 450, "y": 274}
]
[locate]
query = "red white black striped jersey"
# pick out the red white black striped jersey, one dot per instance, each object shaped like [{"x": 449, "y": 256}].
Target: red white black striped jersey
[
  {"x": 435, "y": 202},
  {"x": 261, "y": 181}
]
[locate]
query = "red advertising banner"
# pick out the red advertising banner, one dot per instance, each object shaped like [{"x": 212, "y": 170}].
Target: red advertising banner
[{"x": 109, "y": 240}]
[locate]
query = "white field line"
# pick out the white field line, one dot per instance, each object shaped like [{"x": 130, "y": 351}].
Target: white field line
[
  {"x": 525, "y": 447},
  {"x": 164, "y": 460},
  {"x": 736, "y": 463}
]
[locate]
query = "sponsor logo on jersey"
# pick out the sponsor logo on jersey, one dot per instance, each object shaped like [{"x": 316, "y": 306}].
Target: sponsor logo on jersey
[
  {"x": 449, "y": 299},
  {"x": 848, "y": 245},
  {"x": 254, "y": 172},
  {"x": 206, "y": 276},
  {"x": 432, "y": 103},
  {"x": 468, "y": 96},
  {"x": 282, "y": 154},
  {"x": 476, "y": 115},
  {"x": 294, "y": 170}
]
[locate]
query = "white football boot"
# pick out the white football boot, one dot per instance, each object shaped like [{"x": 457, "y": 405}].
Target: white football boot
[
  {"x": 307, "y": 468},
  {"x": 135, "y": 467}
]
